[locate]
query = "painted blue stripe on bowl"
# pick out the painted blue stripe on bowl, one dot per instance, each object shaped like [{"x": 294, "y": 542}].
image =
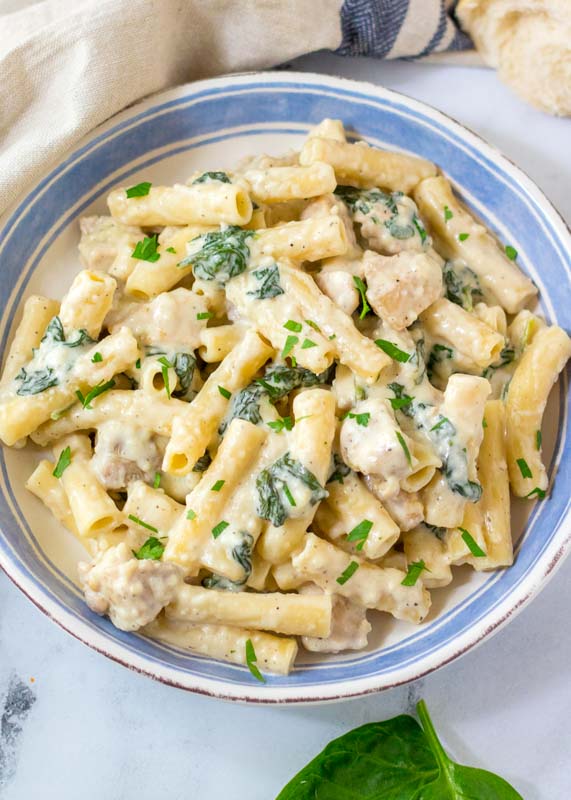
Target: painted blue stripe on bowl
[{"x": 204, "y": 114}]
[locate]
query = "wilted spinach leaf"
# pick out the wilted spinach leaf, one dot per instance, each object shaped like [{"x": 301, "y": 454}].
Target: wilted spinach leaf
[
  {"x": 223, "y": 254},
  {"x": 274, "y": 495}
]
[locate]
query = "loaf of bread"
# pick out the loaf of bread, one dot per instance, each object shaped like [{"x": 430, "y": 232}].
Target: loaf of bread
[{"x": 529, "y": 43}]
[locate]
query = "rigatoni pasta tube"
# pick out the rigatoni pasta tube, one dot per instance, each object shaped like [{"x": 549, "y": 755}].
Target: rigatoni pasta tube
[
  {"x": 349, "y": 505},
  {"x": 21, "y": 415},
  {"x": 152, "y": 505},
  {"x": 217, "y": 342},
  {"x": 533, "y": 379},
  {"x": 495, "y": 501},
  {"x": 277, "y": 184},
  {"x": 291, "y": 614},
  {"x": 38, "y": 311},
  {"x": 93, "y": 510},
  {"x": 152, "y": 412},
  {"x": 446, "y": 496},
  {"x": 207, "y": 203},
  {"x": 459, "y": 235},
  {"x": 87, "y": 302},
  {"x": 367, "y": 584},
  {"x": 329, "y": 129},
  {"x": 303, "y": 240},
  {"x": 310, "y": 443},
  {"x": 192, "y": 431},
  {"x": 45, "y": 486},
  {"x": 205, "y": 504},
  {"x": 450, "y": 323},
  {"x": 366, "y": 167},
  {"x": 273, "y": 653}
]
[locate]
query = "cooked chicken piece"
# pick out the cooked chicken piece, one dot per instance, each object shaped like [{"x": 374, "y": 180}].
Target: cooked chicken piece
[
  {"x": 401, "y": 287},
  {"x": 130, "y": 591},
  {"x": 125, "y": 453},
  {"x": 171, "y": 318},
  {"x": 105, "y": 241}
]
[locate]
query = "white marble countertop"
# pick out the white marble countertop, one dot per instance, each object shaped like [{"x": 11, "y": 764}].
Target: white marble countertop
[{"x": 75, "y": 725}]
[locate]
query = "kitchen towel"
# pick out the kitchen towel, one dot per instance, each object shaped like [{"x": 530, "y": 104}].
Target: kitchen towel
[{"x": 68, "y": 65}]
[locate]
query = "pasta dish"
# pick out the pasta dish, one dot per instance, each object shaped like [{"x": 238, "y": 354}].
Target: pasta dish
[{"x": 283, "y": 395}]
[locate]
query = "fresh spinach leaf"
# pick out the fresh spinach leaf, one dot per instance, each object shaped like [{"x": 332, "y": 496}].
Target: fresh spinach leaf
[
  {"x": 223, "y": 254},
  {"x": 269, "y": 283},
  {"x": 393, "y": 760}
]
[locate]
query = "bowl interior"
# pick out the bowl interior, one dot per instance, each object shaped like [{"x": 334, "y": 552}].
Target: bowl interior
[{"x": 212, "y": 125}]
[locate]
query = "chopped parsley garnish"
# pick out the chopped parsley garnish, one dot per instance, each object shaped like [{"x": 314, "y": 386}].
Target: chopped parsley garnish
[
  {"x": 360, "y": 533},
  {"x": 217, "y": 486},
  {"x": 220, "y": 528},
  {"x": 348, "y": 572},
  {"x": 171, "y": 250},
  {"x": 333, "y": 336},
  {"x": 138, "y": 363},
  {"x": 140, "y": 190},
  {"x": 537, "y": 492},
  {"x": 97, "y": 358},
  {"x": 279, "y": 425},
  {"x": 143, "y": 524},
  {"x": 205, "y": 315},
  {"x": 313, "y": 325},
  {"x": 413, "y": 573},
  {"x": 538, "y": 440},
  {"x": 290, "y": 343},
  {"x": 511, "y": 252},
  {"x": 152, "y": 549},
  {"x": 269, "y": 283},
  {"x": 157, "y": 480},
  {"x": 404, "y": 446},
  {"x": 165, "y": 366},
  {"x": 289, "y": 495},
  {"x": 292, "y": 325},
  {"x": 362, "y": 289},
  {"x": 224, "y": 392},
  {"x": 401, "y": 401},
  {"x": 447, "y": 214},
  {"x": 463, "y": 236},
  {"x": 484, "y": 423},
  {"x": 190, "y": 514},
  {"x": 393, "y": 351},
  {"x": 63, "y": 462},
  {"x": 472, "y": 544},
  {"x": 307, "y": 343},
  {"x": 147, "y": 249},
  {"x": 93, "y": 393},
  {"x": 251, "y": 660},
  {"x": 360, "y": 419},
  {"x": 442, "y": 421},
  {"x": 524, "y": 468}
]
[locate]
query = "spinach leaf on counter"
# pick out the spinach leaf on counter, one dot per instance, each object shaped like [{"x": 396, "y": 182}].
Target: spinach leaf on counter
[{"x": 393, "y": 760}]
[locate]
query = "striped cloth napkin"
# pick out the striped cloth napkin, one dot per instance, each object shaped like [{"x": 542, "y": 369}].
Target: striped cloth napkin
[{"x": 68, "y": 65}]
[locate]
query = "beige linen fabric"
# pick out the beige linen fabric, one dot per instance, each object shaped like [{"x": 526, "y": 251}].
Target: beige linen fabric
[{"x": 68, "y": 65}]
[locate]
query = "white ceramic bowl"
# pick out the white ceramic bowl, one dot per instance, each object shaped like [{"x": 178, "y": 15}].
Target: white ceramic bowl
[{"x": 212, "y": 124}]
